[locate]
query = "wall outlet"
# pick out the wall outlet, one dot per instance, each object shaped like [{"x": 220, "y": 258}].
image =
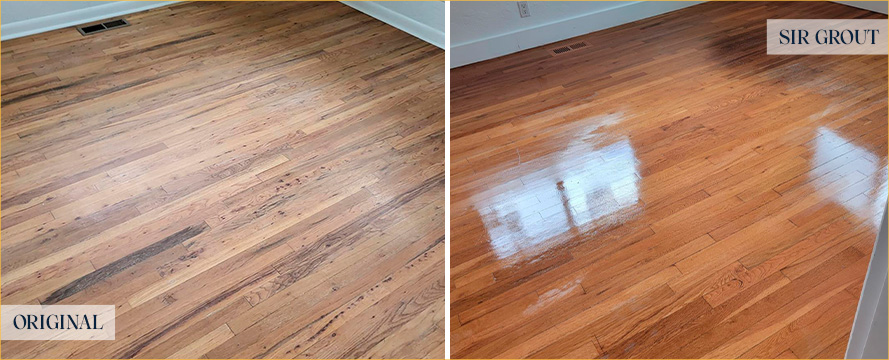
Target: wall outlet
[{"x": 524, "y": 11}]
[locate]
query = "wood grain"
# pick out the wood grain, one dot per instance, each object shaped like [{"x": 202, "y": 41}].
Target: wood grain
[
  {"x": 669, "y": 191},
  {"x": 239, "y": 179}
]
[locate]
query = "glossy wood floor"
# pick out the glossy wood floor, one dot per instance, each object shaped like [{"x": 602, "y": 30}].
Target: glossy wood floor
[
  {"x": 668, "y": 191},
  {"x": 240, "y": 179}
]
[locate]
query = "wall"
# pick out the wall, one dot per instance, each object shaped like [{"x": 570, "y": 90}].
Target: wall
[
  {"x": 876, "y": 6},
  {"x": 423, "y": 19},
  {"x": 482, "y": 30},
  {"x": 869, "y": 331},
  {"x": 22, "y": 18}
]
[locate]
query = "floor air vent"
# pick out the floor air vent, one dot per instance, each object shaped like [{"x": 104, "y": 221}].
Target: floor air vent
[
  {"x": 579, "y": 45},
  {"x": 97, "y": 28},
  {"x": 568, "y": 48}
]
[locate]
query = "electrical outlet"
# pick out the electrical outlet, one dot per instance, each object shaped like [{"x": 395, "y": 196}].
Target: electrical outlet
[{"x": 524, "y": 11}]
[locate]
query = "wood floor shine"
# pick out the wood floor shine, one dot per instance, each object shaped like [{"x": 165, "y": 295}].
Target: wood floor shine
[
  {"x": 667, "y": 191},
  {"x": 240, "y": 179}
]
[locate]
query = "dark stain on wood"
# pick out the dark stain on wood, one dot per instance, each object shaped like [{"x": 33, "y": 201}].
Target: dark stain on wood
[{"x": 124, "y": 263}]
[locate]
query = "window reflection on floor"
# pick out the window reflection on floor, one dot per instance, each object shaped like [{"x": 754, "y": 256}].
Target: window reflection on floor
[
  {"x": 832, "y": 150},
  {"x": 573, "y": 196}
]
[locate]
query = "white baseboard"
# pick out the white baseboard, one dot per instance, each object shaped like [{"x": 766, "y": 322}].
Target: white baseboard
[
  {"x": 403, "y": 23},
  {"x": 77, "y": 17},
  {"x": 489, "y": 48}
]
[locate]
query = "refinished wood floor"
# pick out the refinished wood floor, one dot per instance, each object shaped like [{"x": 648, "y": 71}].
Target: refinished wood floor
[
  {"x": 668, "y": 191},
  {"x": 241, "y": 179}
]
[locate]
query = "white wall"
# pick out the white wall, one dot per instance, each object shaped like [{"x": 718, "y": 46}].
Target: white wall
[
  {"x": 22, "y": 18},
  {"x": 868, "y": 338},
  {"x": 483, "y": 19},
  {"x": 17, "y": 11},
  {"x": 875, "y": 348},
  {"x": 482, "y": 30},
  {"x": 876, "y": 6},
  {"x": 423, "y": 19}
]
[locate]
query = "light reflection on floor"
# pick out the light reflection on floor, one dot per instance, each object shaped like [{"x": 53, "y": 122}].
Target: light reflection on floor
[
  {"x": 869, "y": 205},
  {"x": 602, "y": 190},
  {"x": 572, "y": 197}
]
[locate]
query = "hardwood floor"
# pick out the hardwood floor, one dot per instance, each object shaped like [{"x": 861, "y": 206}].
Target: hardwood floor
[
  {"x": 669, "y": 191},
  {"x": 240, "y": 179}
]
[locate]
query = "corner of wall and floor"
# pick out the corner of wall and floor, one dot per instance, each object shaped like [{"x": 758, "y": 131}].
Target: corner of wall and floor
[
  {"x": 527, "y": 33},
  {"x": 418, "y": 18},
  {"x": 23, "y": 18}
]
